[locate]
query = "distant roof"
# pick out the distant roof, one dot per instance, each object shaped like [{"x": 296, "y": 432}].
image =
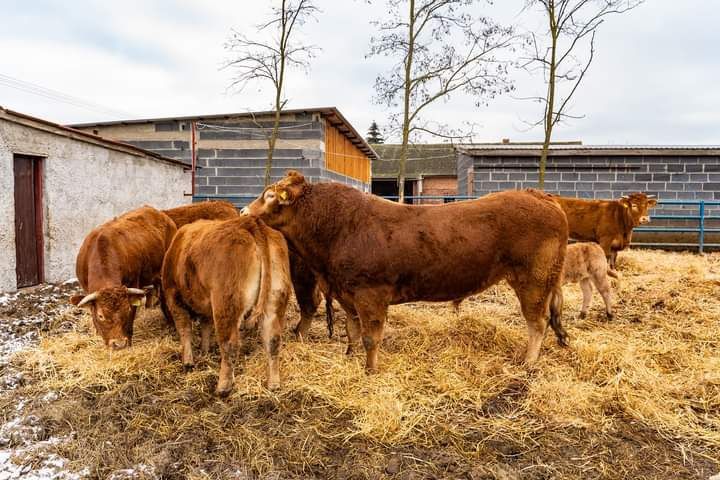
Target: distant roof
[
  {"x": 331, "y": 114},
  {"x": 424, "y": 160},
  {"x": 69, "y": 132},
  {"x": 574, "y": 149}
]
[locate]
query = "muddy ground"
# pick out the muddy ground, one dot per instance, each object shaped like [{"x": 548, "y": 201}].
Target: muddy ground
[{"x": 157, "y": 421}]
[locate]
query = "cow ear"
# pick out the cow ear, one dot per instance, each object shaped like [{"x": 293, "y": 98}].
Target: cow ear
[
  {"x": 136, "y": 297},
  {"x": 652, "y": 202}
]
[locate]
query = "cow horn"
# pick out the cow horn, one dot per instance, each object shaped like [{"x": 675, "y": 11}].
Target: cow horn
[
  {"x": 136, "y": 291},
  {"x": 87, "y": 299},
  {"x": 652, "y": 196},
  {"x": 625, "y": 197}
]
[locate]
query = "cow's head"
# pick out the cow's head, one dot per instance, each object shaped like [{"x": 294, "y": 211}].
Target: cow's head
[
  {"x": 276, "y": 205},
  {"x": 637, "y": 206},
  {"x": 113, "y": 312}
]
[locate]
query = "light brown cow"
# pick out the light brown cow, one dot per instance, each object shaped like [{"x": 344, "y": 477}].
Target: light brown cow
[
  {"x": 585, "y": 263},
  {"x": 373, "y": 253},
  {"x": 217, "y": 210},
  {"x": 607, "y": 222},
  {"x": 218, "y": 271},
  {"x": 115, "y": 260}
]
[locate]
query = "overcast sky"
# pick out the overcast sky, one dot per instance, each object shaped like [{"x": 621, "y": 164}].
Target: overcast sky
[{"x": 654, "y": 80}]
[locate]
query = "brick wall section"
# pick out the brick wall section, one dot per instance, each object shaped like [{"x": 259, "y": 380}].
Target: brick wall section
[
  {"x": 599, "y": 177},
  {"x": 435, "y": 186}
]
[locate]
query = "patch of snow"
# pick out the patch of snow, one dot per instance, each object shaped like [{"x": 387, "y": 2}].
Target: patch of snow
[
  {"x": 70, "y": 281},
  {"x": 138, "y": 471}
]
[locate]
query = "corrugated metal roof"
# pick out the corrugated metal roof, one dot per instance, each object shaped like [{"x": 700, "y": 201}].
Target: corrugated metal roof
[
  {"x": 575, "y": 149},
  {"x": 423, "y": 160},
  {"x": 331, "y": 114}
]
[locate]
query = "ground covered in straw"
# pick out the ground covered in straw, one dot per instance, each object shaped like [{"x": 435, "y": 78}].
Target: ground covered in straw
[{"x": 635, "y": 398}]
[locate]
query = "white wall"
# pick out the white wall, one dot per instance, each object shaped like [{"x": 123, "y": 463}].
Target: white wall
[
  {"x": 7, "y": 218},
  {"x": 84, "y": 185}
]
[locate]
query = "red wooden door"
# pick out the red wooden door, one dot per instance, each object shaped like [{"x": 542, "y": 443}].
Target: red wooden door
[{"x": 28, "y": 221}]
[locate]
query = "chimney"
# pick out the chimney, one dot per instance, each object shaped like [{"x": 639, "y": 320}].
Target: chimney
[{"x": 505, "y": 141}]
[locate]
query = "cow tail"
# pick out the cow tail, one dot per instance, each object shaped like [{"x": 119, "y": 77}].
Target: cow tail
[
  {"x": 329, "y": 314},
  {"x": 265, "y": 275}
]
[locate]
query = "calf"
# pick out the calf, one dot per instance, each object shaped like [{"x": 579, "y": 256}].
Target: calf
[
  {"x": 373, "y": 253},
  {"x": 114, "y": 261},
  {"x": 218, "y": 271},
  {"x": 607, "y": 222},
  {"x": 585, "y": 263}
]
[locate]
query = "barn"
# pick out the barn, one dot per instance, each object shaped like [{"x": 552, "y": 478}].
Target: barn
[
  {"x": 57, "y": 183},
  {"x": 230, "y": 149},
  {"x": 685, "y": 178},
  {"x": 430, "y": 171}
]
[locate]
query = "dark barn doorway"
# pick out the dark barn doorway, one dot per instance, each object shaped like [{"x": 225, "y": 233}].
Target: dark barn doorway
[
  {"x": 28, "y": 220},
  {"x": 389, "y": 188}
]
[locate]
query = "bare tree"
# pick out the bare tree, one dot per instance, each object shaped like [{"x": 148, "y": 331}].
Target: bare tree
[
  {"x": 267, "y": 60},
  {"x": 567, "y": 50},
  {"x": 441, "y": 49}
]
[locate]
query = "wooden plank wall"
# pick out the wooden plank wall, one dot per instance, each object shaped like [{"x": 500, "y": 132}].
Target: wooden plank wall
[{"x": 342, "y": 157}]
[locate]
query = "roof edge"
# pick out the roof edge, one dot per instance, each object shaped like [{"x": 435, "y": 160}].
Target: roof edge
[
  {"x": 360, "y": 141},
  {"x": 80, "y": 135}
]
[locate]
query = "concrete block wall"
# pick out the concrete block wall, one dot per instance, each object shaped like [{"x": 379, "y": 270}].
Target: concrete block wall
[
  {"x": 598, "y": 177},
  {"x": 232, "y": 162}
]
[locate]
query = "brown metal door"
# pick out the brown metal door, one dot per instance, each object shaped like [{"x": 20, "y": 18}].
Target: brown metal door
[{"x": 28, "y": 230}]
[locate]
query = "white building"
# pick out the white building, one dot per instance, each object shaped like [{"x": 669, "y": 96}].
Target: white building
[{"x": 58, "y": 183}]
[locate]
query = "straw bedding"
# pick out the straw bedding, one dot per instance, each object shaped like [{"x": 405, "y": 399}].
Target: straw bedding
[{"x": 638, "y": 397}]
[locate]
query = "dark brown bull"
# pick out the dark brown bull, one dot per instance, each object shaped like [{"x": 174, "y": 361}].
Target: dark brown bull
[
  {"x": 218, "y": 271},
  {"x": 607, "y": 222},
  {"x": 115, "y": 260},
  {"x": 374, "y": 253}
]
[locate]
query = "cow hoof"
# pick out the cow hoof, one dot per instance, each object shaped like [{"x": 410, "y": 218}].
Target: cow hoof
[
  {"x": 582, "y": 315},
  {"x": 610, "y": 317},
  {"x": 563, "y": 341},
  {"x": 371, "y": 370},
  {"x": 273, "y": 386},
  {"x": 223, "y": 393},
  {"x": 188, "y": 366},
  {"x": 349, "y": 350}
]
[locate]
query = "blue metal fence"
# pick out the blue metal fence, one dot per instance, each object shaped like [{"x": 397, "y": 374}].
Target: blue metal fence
[{"x": 701, "y": 211}]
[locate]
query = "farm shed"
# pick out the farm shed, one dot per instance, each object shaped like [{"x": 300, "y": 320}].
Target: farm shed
[
  {"x": 232, "y": 148},
  {"x": 675, "y": 174},
  {"x": 57, "y": 183},
  {"x": 430, "y": 170}
]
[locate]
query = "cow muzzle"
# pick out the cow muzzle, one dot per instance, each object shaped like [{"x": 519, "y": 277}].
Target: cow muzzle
[
  {"x": 119, "y": 343},
  {"x": 245, "y": 211},
  {"x": 644, "y": 220}
]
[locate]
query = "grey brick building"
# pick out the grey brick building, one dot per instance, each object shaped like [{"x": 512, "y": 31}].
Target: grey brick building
[
  {"x": 231, "y": 149},
  {"x": 672, "y": 173}
]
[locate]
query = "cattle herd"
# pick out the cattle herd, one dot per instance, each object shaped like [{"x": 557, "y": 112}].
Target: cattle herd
[{"x": 234, "y": 270}]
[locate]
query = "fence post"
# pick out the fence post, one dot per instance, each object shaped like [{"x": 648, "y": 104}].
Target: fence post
[{"x": 701, "y": 240}]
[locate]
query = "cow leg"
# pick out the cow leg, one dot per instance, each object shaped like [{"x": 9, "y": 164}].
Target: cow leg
[
  {"x": 271, "y": 335},
  {"x": 205, "y": 333},
  {"x": 587, "y": 296},
  {"x": 183, "y": 325},
  {"x": 352, "y": 326},
  {"x": 613, "y": 259},
  {"x": 308, "y": 302},
  {"x": 226, "y": 330},
  {"x": 602, "y": 284},
  {"x": 372, "y": 322}
]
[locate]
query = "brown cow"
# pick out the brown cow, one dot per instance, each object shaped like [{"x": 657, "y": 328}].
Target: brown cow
[
  {"x": 218, "y": 271},
  {"x": 218, "y": 210},
  {"x": 374, "y": 253},
  {"x": 607, "y": 222},
  {"x": 115, "y": 260},
  {"x": 305, "y": 283},
  {"x": 585, "y": 263}
]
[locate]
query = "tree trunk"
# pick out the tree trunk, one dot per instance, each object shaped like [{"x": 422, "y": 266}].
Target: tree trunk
[
  {"x": 406, "y": 104},
  {"x": 550, "y": 104}
]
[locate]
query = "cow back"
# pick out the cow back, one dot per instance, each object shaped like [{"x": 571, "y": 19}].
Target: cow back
[{"x": 216, "y": 210}]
